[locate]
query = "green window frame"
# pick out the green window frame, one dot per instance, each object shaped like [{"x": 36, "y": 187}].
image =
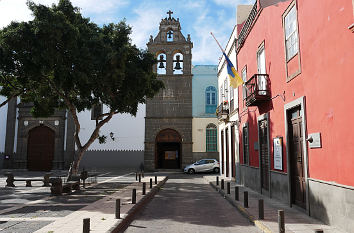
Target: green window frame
[{"x": 211, "y": 138}]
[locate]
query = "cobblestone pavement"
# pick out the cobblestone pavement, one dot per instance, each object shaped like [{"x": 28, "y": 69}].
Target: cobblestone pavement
[
  {"x": 27, "y": 209},
  {"x": 188, "y": 204}
]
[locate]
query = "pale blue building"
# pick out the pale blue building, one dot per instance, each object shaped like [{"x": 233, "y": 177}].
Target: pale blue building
[{"x": 204, "y": 103}]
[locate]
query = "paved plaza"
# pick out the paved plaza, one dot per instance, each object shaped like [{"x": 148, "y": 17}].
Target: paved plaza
[
  {"x": 28, "y": 209},
  {"x": 185, "y": 203}
]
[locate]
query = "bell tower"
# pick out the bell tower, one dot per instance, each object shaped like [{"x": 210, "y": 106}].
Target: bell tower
[{"x": 168, "y": 121}]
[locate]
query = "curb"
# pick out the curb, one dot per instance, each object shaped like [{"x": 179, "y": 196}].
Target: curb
[
  {"x": 123, "y": 225},
  {"x": 242, "y": 210}
]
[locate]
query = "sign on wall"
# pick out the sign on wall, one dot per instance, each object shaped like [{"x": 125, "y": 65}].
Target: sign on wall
[{"x": 278, "y": 153}]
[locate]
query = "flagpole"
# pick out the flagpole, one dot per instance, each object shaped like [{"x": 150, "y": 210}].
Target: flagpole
[{"x": 217, "y": 42}]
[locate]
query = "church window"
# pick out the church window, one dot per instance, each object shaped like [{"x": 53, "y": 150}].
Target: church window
[
  {"x": 210, "y": 99},
  {"x": 211, "y": 137},
  {"x": 161, "y": 63},
  {"x": 178, "y": 63}
]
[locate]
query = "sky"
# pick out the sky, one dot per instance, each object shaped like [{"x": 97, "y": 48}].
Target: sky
[{"x": 198, "y": 18}]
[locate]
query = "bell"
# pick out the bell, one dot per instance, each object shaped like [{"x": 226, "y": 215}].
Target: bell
[
  {"x": 161, "y": 65},
  {"x": 161, "y": 62},
  {"x": 177, "y": 66}
]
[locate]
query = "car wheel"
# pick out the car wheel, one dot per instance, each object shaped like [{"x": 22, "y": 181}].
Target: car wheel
[
  {"x": 191, "y": 171},
  {"x": 216, "y": 170}
]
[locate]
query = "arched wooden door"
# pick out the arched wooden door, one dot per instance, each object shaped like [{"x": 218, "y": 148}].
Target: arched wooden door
[
  {"x": 168, "y": 149},
  {"x": 40, "y": 149}
]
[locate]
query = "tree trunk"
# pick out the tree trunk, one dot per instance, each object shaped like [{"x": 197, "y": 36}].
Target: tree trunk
[{"x": 77, "y": 160}]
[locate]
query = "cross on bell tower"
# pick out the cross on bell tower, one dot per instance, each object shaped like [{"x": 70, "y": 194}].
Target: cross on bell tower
[{"x": 169, "y": 14}]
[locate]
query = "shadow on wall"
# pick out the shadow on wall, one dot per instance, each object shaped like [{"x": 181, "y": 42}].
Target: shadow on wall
[{"x": 97, "y": 159}]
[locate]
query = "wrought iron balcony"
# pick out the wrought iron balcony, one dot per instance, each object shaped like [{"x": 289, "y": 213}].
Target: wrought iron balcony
[
  {"x": 223, "y": 111},
  {"x": 257, "y": 89}
]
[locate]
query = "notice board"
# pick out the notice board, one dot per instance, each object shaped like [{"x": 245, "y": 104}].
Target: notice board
[{"x": 278, "y": 153}]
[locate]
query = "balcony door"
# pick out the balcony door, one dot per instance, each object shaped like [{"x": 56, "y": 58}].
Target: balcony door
[{"x": 261, "y": 69}]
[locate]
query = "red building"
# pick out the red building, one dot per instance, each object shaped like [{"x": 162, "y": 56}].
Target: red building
[{"x": 296, "y": 117}]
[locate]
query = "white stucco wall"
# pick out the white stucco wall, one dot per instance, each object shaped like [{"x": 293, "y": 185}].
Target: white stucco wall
[
  {"x": 199, "y": 132},
  {"x": 128, "y": 131},
  {"x": 3, "y": 117}
]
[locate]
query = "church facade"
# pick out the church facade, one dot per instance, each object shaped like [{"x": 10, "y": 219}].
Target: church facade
[
  {"x": 36, "y": 144},
  {"x": 168, "y": 121}
]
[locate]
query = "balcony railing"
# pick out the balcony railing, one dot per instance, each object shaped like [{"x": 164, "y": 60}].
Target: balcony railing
[
  {"x": 257, "y": 89},
  {"x": 223, "y": 111}
]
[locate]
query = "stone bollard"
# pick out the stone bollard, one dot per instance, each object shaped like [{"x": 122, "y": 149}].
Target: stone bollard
[
  {"x": 155, "y": 179},
  {"x": 144, "y": 188},
  {"x": 133, "y": 196},
  {"x": 86, "y": 225},
  {"x": 150, "y": 183},
  {"x": 228, "y": 187},
  {"x": 245, "y": 199},
  {"x": 217, "y": 181},
  {"x": 237, "y": 197},
  {"x": 281, "y": 222},
  {"x": 117, "y": 208},
  {"x": 222, "y": 183},
  {"x": 260, "y": 209}
]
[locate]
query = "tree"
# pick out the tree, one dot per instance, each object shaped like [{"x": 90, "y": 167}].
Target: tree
[{"x": 70, "y": 62}]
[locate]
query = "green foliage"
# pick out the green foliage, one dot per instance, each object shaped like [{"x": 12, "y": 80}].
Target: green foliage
[{"x": 62, "y": 60}]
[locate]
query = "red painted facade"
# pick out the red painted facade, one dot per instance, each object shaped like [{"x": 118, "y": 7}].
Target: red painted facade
[{"x": 323, "y": 75}]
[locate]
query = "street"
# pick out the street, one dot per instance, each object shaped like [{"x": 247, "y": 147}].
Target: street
[{"x": 188, "y": 204}]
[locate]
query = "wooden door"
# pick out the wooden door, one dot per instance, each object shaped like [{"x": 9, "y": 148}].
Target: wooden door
[
  {"x": 263, "y": 149},
  {"x": 233, "y": 162},
  {"x": 298, "y": 185},
  {"x": 40, "y": 150},
  {"x": 222, "y": 152},
  {"x": 227, "y": 151}
]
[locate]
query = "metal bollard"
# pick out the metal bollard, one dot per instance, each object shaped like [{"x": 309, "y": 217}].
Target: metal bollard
[
  {"x": 318, "y": 231},
  {"x": 144, "y": 188},
  {"x": 139, "y": 178},
  {"x": 117, "y": 208},
  {"x": 237, "y": 197},
  {"x": 155, "y": 179},
  {"x": 228, "y": 187},
  {"x": 260, "y": 209},
  {"x": 222, "y": 183},
  {"x": 217, "y": 181},
  {"x": 151, "y": 183},
  {"x": 142, "y": 174},
  {"x": 86, "y": 225},
  {"x": 133, "y": 196},
  {"x": 136, "y": 175},
  {"x": 245, "y": 199},
  {"x": 281, "y": 223}
]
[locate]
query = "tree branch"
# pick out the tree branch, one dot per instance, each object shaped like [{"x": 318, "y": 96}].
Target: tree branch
[{"x": 95, "y": 133}]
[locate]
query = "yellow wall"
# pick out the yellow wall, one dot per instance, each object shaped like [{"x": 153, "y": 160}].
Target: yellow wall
[{"x": 198, "y": 132}]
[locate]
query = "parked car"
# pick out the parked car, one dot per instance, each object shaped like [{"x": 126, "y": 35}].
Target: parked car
[{"x": 203, "y": 165}]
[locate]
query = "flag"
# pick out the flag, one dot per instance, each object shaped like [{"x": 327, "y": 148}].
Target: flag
[
  {"x": 266, "y": 3},
  {"x": 235, "y": 79}
]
